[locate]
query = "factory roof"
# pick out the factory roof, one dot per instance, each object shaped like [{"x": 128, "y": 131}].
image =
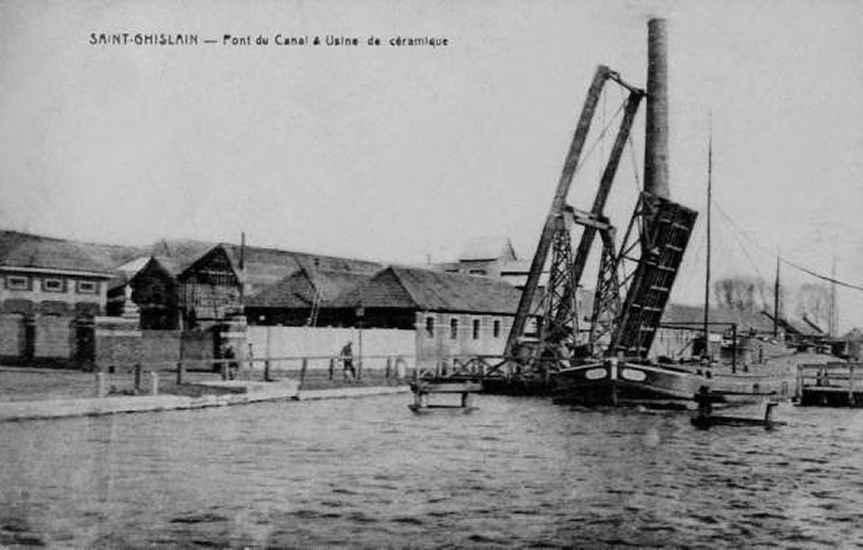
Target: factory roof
[
  {"x": 298, "y": 290},
  {"x": 422, "y": 289},
  {"x": 693, "y": 315},
  {"x": 265, "y": 267},
  {"x": 24, "y": 250}
]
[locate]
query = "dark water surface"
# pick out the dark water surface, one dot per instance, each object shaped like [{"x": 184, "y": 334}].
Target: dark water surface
[{"x": 367, "y": 473}]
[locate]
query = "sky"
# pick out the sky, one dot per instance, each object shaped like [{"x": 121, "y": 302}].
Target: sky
[{"x": 401, "y": 154}]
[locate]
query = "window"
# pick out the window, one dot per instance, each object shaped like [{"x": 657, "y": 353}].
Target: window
[
  {"x": 495, "y": 329},
  {"x": 16, "y": 282},
  {"x": 87, "y": 287},
  {"x": 453, "y": 328},
  {"x": 476, "y": 329},
  {"x": 53, "y": 285},
  {"x": 430, "y": 327}
]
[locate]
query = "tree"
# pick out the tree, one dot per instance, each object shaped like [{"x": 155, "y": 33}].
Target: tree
[
  {"x": 813, "y": 302},
  {"x": 740, "y": 293}
]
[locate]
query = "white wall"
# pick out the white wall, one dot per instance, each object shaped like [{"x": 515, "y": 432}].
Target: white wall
[{"x": 328, "y": 342}]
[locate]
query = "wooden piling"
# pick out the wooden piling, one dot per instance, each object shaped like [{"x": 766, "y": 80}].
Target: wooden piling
[
  {"x": 154, "y": 383},
  {"x": 100, "y": 384},
  {"x": 303, "y": 367}
]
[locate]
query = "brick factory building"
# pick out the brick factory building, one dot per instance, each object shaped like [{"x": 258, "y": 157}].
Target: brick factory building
[
  {"x": 452, "y": 314},
  {"x": 50, "y": 291}
]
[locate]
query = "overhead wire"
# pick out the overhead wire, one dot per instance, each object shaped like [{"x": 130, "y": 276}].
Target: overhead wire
[{"x": 786, "y": 261}]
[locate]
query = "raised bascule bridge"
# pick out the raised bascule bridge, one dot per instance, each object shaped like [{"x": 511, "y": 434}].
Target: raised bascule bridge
[{"x": 547, "y": 351}]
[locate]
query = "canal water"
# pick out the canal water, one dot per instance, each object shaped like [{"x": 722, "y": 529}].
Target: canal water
[{"x": 367, "y": 473}]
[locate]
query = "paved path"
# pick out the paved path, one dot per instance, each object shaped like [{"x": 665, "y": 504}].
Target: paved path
[{"x": 284, "y": 390}]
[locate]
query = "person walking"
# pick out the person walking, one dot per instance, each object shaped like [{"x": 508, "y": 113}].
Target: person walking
[{"x": 348, "y": 361}]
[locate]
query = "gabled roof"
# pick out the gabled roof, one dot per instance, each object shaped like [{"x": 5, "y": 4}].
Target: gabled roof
[
  {"x": 488, "y": 248},
  {"x": 24, "y": 250},
  {"x": 422, "y": 289},
  {"x": 298, "y": 289},
  {"x": 265, "y": 267},
  {"x": 184, "y": 250},
  {"x": 172, "y": 255}
]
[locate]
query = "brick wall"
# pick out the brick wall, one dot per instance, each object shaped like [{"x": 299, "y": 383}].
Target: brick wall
[
  {"x": 12, "y": 335},
  {"x": 160, "y": 346},
  {"x": 55, "y": 337},
  {"x": 117, "y": 341},
  {"x": 197, "y": 344}
]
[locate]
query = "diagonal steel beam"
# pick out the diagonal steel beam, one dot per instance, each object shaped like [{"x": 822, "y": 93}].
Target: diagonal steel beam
[
  {"x": 589, "y": 233},
  {"x": 557, "y": 205}
]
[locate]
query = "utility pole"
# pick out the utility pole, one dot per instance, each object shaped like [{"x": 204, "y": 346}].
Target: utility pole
[
  {"x": 707, "y": 272},
  {"x": 834, "y": 312},
  {"x": 776, "y": 298}
]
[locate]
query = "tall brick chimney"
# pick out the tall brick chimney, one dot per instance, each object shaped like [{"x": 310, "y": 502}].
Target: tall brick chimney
[{"x": 656, "y": 134}]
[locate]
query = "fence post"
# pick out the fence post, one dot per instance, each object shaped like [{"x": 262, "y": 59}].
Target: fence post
[
  {"x": 154, "y": 383},
  {"x": 100, "y": 384},
  {"x": 332, "y": 367},
  {"x": 137, "y": 377},
  {"x": 798, "y": 390},
  {"x": 180, "y": 372},
  {"x": 303, "y": 368}
]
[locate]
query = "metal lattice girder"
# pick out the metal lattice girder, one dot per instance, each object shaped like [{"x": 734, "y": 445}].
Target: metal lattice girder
[
  {"x": 558, "y": 203},
  {"x": 559, "y": 325},
  {"x": 663, "y": 228},
  {"x": 606, "y": 304}
]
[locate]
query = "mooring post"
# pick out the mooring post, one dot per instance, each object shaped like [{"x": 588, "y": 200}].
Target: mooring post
[
  {"x": 180, "y": 373},
  {"x": 100, "y": 384},
  {"x": 154, "y": 383},
  {"x": 267, "y": 370},
  {"x": 389, "y": 368},
  {"x": 768, "y": 414},
  {"x": 305, "y": 365},
  {"x": 332, "y": 367},
  {"x": 466, "y": 400},
  {"x": 137, "y": 370}
]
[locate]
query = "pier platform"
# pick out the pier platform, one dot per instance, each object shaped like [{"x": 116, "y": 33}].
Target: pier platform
[{"x": 830, "y": 385}]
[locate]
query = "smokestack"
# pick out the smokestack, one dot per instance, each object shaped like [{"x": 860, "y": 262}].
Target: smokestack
[{"x": 656, "y": 135}]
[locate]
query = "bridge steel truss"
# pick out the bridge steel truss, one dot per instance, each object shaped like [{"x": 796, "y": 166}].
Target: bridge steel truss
[{"x": 557, "y": 315}]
